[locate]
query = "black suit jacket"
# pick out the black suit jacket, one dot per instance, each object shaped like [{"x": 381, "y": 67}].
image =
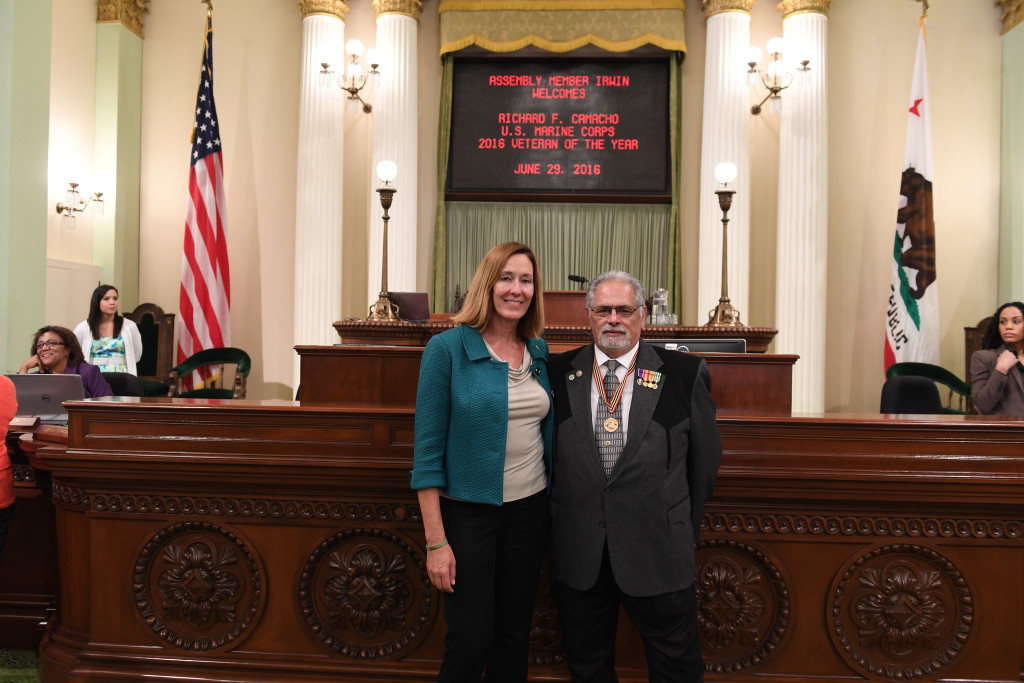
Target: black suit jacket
[{"x": 649, "y": 510}]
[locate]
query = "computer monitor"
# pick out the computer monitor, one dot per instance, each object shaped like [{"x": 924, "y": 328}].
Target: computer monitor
[
  {"x": 411, "y": 305},
  {"x": 702, "y": 345}
]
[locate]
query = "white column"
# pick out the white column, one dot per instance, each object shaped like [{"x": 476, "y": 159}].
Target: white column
[
  {"x": 802, "y": 239},
  {"x": 395, "y": 123},
  {"x": 319, "y": 191},
  {"x": 725, "y": 137}
]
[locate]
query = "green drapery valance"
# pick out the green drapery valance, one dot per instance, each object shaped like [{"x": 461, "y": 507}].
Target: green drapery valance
[{"x": 562, "y": 25}]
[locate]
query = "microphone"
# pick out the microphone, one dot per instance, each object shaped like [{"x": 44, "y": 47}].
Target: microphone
[{"x": 578, "y": 278}]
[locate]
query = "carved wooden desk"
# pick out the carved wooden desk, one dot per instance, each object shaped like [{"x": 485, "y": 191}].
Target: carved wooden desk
[
  {"x": 265, "y": 541},
  {"x": 28, "y": 574}
]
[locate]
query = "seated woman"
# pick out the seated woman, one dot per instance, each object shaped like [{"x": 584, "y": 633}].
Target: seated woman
[
  {"x": 55, "y": 350},
  {"x": 109, "y": 340},
  {"x": 997, "y": 374}
]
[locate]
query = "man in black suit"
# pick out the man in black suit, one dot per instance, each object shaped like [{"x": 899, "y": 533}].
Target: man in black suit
[{"x": 636, "y": 455}]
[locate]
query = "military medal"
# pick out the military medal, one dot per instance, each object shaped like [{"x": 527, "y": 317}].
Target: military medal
[
  {"x": 648, "y": 378},
  {"x": 611, "y": 424}
]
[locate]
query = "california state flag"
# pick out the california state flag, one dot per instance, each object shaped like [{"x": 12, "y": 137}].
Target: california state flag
[{"x": 912, "y": 314}]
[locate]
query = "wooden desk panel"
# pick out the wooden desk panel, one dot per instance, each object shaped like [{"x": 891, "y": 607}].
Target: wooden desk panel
[
  {"x": 28, "y": 573},
  {"x": 225, "y": 541},
  {"x": 386, "y": 376}
]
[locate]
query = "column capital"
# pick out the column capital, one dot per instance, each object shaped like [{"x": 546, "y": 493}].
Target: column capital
[
  {"x": 790, "y": 7},
  {"x": 1012, "y": 13},
  {"x": 713, "y": 7},
  {"x": 410, "y": 8},
  {"x": 334, "y": 8},
  {"x": 125, "y": 12}
]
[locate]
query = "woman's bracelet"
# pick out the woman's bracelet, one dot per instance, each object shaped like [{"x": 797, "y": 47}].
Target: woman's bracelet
[{"x": 438, "y": 546}]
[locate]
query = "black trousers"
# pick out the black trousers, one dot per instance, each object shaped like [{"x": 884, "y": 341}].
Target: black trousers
[
  {"x": 667, "y": 623},
  {"x": 498, "y": 555}
]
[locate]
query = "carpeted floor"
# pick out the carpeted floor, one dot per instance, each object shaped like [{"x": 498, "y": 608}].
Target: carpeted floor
[{"x": 18, "y": 666}]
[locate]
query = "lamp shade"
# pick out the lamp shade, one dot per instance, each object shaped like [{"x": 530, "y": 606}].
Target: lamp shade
[
  {"x": 387, "y": 171},
  {"x": 725, "y": 172},
  {"x": 354, "y": 47}
]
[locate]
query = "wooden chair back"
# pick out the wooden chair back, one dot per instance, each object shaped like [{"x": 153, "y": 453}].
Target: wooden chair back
[
  {"x": 972, "y": 343},
  {"x": 157, "y": 331}
]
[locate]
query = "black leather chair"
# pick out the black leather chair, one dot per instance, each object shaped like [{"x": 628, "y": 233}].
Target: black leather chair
[
  {"x": 940, "y": 375},
  {"x": 911, "y": 395},
  {"x": 124, "y": 384}
]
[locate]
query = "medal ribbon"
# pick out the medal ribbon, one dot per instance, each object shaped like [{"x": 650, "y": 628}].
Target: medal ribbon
[{"x": 613, "y": 402}]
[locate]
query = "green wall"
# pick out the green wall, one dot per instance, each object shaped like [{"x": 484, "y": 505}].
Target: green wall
[
  {"x": 1011, "y": 191},
  {"x": 25, "y": 38}
]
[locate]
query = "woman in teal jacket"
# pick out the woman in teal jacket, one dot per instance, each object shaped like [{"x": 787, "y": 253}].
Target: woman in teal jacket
[{"x": 482, "y": 465}]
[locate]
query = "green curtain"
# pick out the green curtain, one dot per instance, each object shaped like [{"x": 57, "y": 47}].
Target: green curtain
[
  {"x": 439, "y": 299},
  {"x": 562, "y": 25},
  {"x": 569, "y": 239}
]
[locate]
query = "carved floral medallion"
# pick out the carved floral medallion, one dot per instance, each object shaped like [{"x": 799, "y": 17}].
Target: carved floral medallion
[
  {"x": 197, "y": 586},
  {"x": 365, "y": 594},
  {"x": 744, "y": 605},
  {"x": 901, "y": 612}
]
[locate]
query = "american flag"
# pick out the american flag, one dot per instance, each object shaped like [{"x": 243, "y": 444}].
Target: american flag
[{"x": 205, "y": 300}]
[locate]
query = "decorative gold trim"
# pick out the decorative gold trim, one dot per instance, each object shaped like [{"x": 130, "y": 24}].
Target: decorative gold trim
[
  {"x": 1012, "y": 13},
  {"x": 331, "y": 8},
  {"x": 128, "y": 13},
  {"x": 713, "y": 7},
  {"x": 558, "y": 5},
  {"x": 408, "y": 8},
  {"x": 564, "y": 45},
  {"x": 790, "y": 7}
]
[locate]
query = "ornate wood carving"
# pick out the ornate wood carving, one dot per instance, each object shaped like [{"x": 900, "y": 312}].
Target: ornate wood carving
[
  {"x": 254, "y": 507},
  {"x": 1012, "y": 13},
  {"x": 744, "y": 605},
  {"x": 129, "y": 13},
  {"x": 335, "y": 8},
  {"x": 365, "y": 594},
  {"x": 410, "y": 8},
  {"x": 790, "y": 7},
  {"x": 197, "y": 586},
  {"x": 71, "y": 496},
  {"x": 812, "y": 525},
  {"x": 901, "y": 612},
  {"x": 713, "y": 7}
]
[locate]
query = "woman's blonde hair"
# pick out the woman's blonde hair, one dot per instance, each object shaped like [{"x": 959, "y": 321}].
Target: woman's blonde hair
[{"x": 479, "y": 306}]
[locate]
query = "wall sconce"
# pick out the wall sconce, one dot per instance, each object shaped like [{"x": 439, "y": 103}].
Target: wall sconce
[
  {"x": 384, "y": 308},
  {"x": 724, "y": 315},
  {"x": 355, "y": 79},
  {"x": 777, "y": 76},
  {"x": 73, "y": 203}
]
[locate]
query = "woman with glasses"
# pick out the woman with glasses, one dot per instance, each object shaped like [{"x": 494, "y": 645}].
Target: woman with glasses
[
  {"x": 55, "y": 350},
  {"x": 481, "y": 467},
  {"x": 109, "y": 340}
]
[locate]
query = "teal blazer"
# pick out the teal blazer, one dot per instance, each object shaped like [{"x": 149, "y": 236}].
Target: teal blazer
[{"x": 462, "y": 416}]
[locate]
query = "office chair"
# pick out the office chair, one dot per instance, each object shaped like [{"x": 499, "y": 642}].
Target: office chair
[
  {"x": 911, "y": 394},
  {"x": 210, "y": 360},
  {"x": 124, "y": 384}
]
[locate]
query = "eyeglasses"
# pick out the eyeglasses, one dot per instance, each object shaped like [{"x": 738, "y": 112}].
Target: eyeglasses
[
  {"x": 605, "y": 311},
  {"x": 48, "y": 343}
]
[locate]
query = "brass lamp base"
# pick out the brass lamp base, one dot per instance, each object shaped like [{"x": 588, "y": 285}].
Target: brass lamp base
[
  {"x": 724, "y": 315},
  {"x": 384, "y": 309}
]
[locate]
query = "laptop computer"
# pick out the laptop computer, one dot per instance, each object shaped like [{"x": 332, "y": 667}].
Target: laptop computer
[
  {"x": 706, "y": 345},
  {"x": 411, "y": 305},
  {"x": 42, "y": 395}
]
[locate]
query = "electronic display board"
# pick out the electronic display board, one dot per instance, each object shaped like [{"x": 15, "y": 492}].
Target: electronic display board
[{"x": 559, "y": 127}]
